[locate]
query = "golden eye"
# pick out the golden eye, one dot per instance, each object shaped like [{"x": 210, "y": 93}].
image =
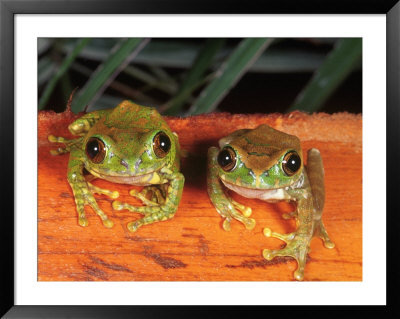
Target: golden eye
[
  {"x": 161, "y": 144},
  {"x": 227, "y": 159},
  {"x": 291, "y": 163},
  {"x": 95, "y": 150}
]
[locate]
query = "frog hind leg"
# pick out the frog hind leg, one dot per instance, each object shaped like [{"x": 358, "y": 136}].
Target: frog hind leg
[
  {"x": 82, "y": 191},
  {"x": 225, "y": 206},
  {"x": 315, "y": 173},
  {"x": 157, "y": 212},
  {"x": 308, "y": 217}
]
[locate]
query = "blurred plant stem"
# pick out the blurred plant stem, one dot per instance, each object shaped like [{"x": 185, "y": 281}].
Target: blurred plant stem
[
  {"x": 120, "y": 56},
  {"x": 80, "y": 44},
  {"x": 340, "y": 62},
  {"x": 230, "y": 72},
  {"x": 203, "y": 61}
]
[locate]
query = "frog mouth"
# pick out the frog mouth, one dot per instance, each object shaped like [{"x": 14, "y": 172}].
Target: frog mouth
[
  {"x": 139, "y": 180},
  {"x": 270, "y": 195}
]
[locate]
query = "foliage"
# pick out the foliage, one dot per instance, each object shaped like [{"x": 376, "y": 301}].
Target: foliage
[{"x": 184, "y": 76}]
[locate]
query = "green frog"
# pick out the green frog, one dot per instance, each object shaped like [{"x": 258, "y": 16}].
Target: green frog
[
  {"x": 129, "y": 144},
  {"x": 267, "y": 164}
]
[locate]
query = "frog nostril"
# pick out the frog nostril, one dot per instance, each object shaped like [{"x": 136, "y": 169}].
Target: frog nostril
[{"x": 123, "y": 163}]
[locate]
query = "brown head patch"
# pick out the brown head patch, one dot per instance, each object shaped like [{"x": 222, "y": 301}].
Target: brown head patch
[{"x": 262, "y": 147}]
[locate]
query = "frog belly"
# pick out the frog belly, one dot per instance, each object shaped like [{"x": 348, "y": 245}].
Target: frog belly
[{"x": 268, "y": 195}]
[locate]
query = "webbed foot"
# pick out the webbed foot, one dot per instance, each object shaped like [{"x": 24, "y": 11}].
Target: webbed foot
[
  {"x": 68, "y": 144},
  {"x": 150, "y": 196},
  {"x": 238, "y": 212},
  {"x": 296, "y": 247},
  {"x": 151, "y": 214}
]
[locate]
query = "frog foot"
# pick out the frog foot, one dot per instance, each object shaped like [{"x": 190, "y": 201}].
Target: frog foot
[
  {"x": 246, "y": 211},
  {"x": 249, "y": 223},
  {"x": 151, "y": 214},
  {"x": 68, "y": 144},
  {"x": 156, "y": 196},
  {"x": 233, "y": 212},
  {"x": 89, "y": 200},
  {"x": 296, "y": 247}
]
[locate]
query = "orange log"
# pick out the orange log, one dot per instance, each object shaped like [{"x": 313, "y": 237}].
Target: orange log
[{"x": 193, "y": 246}]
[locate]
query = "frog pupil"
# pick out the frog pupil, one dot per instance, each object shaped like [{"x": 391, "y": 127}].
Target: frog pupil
[{"x": 227, "y": 159}]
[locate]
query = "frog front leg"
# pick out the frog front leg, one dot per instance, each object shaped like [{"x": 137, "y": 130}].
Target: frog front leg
[
  {"x": 225, "y": 206},
  {"x": 154, "y": 213},
  {"x": 83, "y": 190}
]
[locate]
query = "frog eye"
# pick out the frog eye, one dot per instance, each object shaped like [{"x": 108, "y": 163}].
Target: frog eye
[
  {"x": 227, "y": 159},
  {"x": 95, "y": 150},
  {"x": 161, "y": 144},
  {"x": 291, "y": 163}
]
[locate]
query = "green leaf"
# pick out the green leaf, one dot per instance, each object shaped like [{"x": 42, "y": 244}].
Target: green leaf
[
  {"x": 177, "y": 54},
  {"x": 203, "y": 61},
  {"x": 119, "y": 57},
  {"x": 334, "y": 70},
  {"x": 80, "y": 44},
  {"x": 230, "y": 72},
  {"x": 149, "y": 79}
]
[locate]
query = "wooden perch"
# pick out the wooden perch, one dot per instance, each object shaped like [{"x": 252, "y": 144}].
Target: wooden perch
[{"x": 193, "y": 246}]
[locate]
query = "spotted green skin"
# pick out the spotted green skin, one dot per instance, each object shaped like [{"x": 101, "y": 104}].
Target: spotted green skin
[
  {"x": 258, "y": 173},
  {"x": 127, "y": 132}
]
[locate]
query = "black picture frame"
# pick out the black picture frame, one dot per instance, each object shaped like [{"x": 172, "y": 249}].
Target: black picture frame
[{"x": 8, "y": 10}]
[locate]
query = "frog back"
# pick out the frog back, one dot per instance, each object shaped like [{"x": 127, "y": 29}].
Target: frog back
[{"x": 129, "y": 115}]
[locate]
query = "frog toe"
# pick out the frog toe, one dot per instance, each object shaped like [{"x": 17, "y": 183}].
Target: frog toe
[
  {"x": 250, "y": 223},
  {"x": 246, "y": 211},
  {"x": 285, "y": 237},
  {"x": 226, "y": 225},
  {"x": 322, "y": 233},
  {"x": 267, "y": 254},
  {"x": 108, "y": 223},
  {"x": 133, "y": 226},
  {"x": 102, "y": 191},
  {"x": 83, "y": 221},
  {"x": 117, "y": 205},
  {"x": 299, "y": 274},
  {"x": 329, "y": 244}
]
